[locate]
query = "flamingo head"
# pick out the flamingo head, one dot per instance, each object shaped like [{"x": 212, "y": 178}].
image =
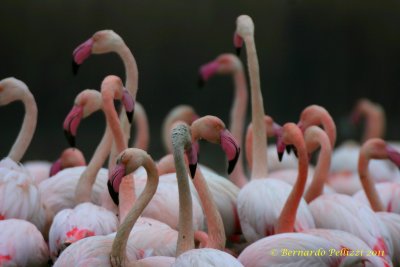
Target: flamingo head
[
  {"x": 213, "y": 130},
  {"x": 101, "y": 42},
  {"x": 224, "y": 64},
  {"x": 129, "y": 104},
  {"x": 244, "y": 29},
  {"x": 11, "y": 89},
  {"x": 193, "y": 156},
  {"x": 70, "y": 157},
  {"x": 87, "y": 102}
]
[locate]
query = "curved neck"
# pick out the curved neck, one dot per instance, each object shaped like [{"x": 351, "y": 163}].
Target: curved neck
[
  {"x": 288, "y": 215},
  {"x": 127, "y": 186},
  {"x": 215, "y": 226},
  {"x": 186, "y": 233},
  {"x": 259, "y": 168},
  {"x": 120, "y": 242},
  {"x": 330, "y": 128},
  {"x": 321, "y": 170},
  {"x": 368, "y": 183},
  {"x": 375, "y": 123},
  {"x": 28, "y": 127},
  {"x": 88, "y": 177},
  {"x": 142, "y": 133},
  {"x": 131, "y": 84},
  {"x": 238, "y": 117}
]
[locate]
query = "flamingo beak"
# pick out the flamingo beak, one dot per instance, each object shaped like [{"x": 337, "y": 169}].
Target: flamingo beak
[
  {"x": 71, "y": 124},
  {"x": 288, "y": 149},
  {"x": 393, "y": 155},
  {"x": 238, "y": 43},
  {"x": 55, "y": 167},
  {"x": 129, "y": 105},
  {"x": 207, "y": 71},
  {"x": 80, "y": 54},
  {"x": 193, "y": 156},
  {"x": 231, "y": 149},
  {"x": 280, "y": 147},
  {"x": 114, "y": 180}
]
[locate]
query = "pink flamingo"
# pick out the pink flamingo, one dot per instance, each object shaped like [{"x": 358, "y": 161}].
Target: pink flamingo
[
  {"x": 345, "y": 157},
  {"x": 117, "y": 251},
  {"x": 231, "y": 64},
  {"x": 107, "y": 41},
  {"x": 186, "y": 254},
  {"x": 21, "y": 244},
  {"x": 271, "y": 249},
  {"x": 20, "y": 195},
  {"x": 86, "y": 219},
  {"x": 376, "y": 148},
  {"x": 256, "y": 218}
]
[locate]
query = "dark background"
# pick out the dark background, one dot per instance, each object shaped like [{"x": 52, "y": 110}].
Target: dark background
[{"x": 311, "y": 52}]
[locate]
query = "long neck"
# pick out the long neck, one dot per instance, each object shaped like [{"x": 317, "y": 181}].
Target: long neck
[
  {"x": 375, "y": 124},
  {"x": 215, "y": 226},
  {"x": 259, "y": 168},
  {"x": 120, "y": 242},
  {"x": 288, "y": 215},
  {"x": 142, "y": 133},
  {"x": 27, "y": 130},
  {"x": 330, "y": 129},
  {"x": 368, "y": 183},
  {"x": 321, "y": 171},
  {"x": 186, "y": 233},
  {"x": 88, "y": 177},
  {"x": 127, "y": 186},
  {"x": 238, "y": 117},
  {"x": 131, "y": 84}
]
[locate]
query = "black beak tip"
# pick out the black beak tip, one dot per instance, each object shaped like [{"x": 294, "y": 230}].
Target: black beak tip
[
  {"x": 200, "y": 82},
  {"x": 192, "y": 168},
  {"x": 70, "y": 138},
  {"x": 129, "y": 114},
  {"x": 280, "y": 156},
  {"x": 232, "y": 162},
  {"x": 288, "y": 149},
  {"x": 238, "y": 49},
  {"x": 75, "y": 67},
  {"x": 295, "y": 151},
  {"x": 114, "y": 195}
]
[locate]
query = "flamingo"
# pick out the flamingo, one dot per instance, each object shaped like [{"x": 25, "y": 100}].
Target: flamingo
[
  {"x": 21, "y": 198},
  {"x": 106, "y": 41},
  {"x": 231, "y": 64},
  {"x": 115, "y": 250},
  {"x": 376, "y": 148},
  {"x": 185, "y": 252},
  {"x": 86, "y": 219},
  {"x": 344, "y": 176},
  {"x": 21, "y": 244},
  {"x": 270, "y": 251},
  {"x": 260, "y": 201}
]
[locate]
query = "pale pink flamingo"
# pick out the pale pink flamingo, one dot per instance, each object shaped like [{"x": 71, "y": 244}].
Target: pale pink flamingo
[
  {"x": 185, "y": 252},
  {"x": 20, "y": 195},
  {"x": 21, "y": 244},
  {"x": 223, "y": 191},
  {"x": 107, "y": 41},
  {"x": 231, "y": 65},
  {"x": 85, "y": 219},
  {"x": 116, "y": 250},
  {"x": 261, "y": 200},
  {"x": 344, "y": 176}
]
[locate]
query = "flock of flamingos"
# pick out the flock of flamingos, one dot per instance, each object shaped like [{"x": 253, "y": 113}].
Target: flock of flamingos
[{"x": 344, "y": 211}]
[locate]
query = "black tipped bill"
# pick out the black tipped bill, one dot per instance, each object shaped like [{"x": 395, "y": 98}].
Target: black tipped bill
[
  {"x": 232, "y": 162},
  {"x": 192, "y": 168},
  {"x": 288, "y": 149},
  {"x": 70, "y": 138},
  {"x": 129, "y": 114},
  {"x": 114, "y": 195},
  {"x": 280, "y": 156},
  {"x": 238, "y": 49},
  {"x": 295, "y": 151},
  {"x": 75, "y": 67}
]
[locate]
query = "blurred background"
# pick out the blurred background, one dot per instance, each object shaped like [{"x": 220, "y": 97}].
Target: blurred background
[{"x": 329, "y": 53}]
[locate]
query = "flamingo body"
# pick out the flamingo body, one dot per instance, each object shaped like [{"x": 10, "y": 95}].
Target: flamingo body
[
  {"x": 388, "y": 192},
  {"x": 206, "y": 257}
]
